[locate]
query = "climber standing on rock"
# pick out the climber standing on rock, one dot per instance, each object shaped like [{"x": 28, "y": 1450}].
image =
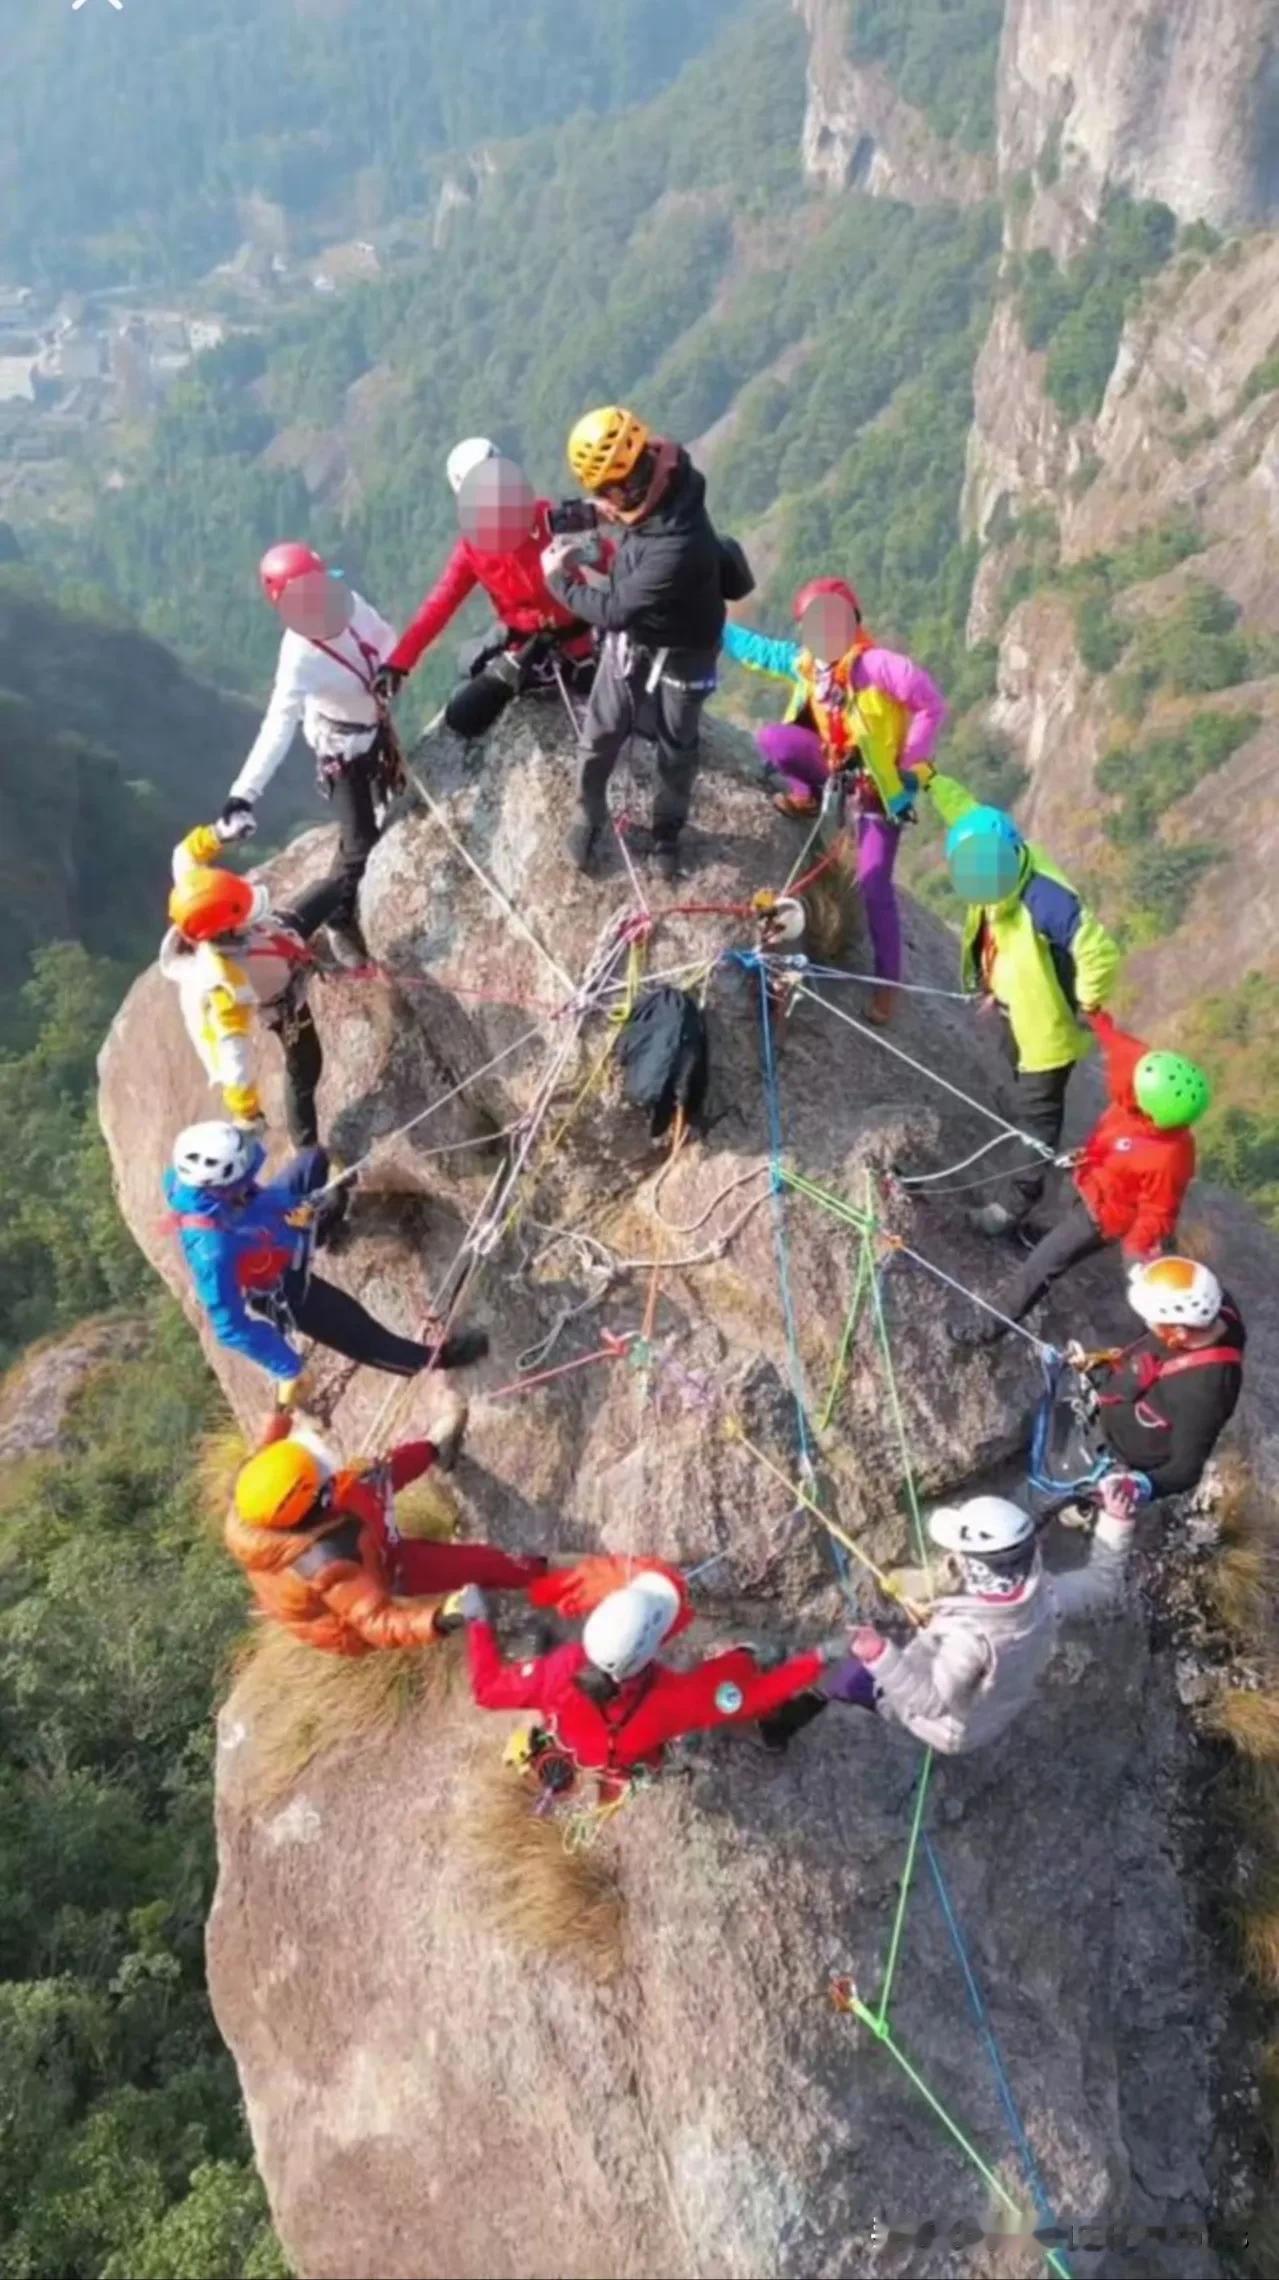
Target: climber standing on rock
[
  {"x": 605, "y": 1703},
  {"x": 1130, "y": 1176},
  {"x": 326, "y": 685},
  {"x": 1039, "y": 958},
  {"x": 324, "y": 1556},
  {"x": 867, "y": 719},
  {"x": 974, "y": 1666},
  {"x": 503, "y": 529},
  {"x": 660, "y": 609},
  {"x": 250, "y": 1244},
  {"x": 233, "y": 959}
]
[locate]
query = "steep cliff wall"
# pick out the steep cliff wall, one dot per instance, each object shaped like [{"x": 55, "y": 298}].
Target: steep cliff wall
[{"x": 859, "y": 132}]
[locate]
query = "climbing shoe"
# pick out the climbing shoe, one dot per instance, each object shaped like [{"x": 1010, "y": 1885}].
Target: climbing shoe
[
  {"x": 582, "y": 843},
  {"x": 666, "y": 860},
  {"x": 991, "y": 1219},
  {"x": 880, "y": 1007},
  {"x": 449, "y": 1617},
  {"x": 805, "y": 804},
  {"x": 448, "y": 1428},
  {"x": 347, "y": 943},
  {"x": 459, "y": 1351},
  {"x": 973, "y": 1335},
  {"x": 778, "y": 1730}
]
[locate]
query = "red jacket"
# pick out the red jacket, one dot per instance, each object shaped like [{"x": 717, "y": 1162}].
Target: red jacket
[
  {"x": 1131, "y": 1175},
  {"x": 649, "y": 1711},
  {"x": 513, "y": 582}
]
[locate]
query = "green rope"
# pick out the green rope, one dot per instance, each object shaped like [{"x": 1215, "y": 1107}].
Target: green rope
[
  {"x": 908, "y": 1877},
  {"x": 894, "y": 1403},
  {"x": 1055, "y": 2261},
  {"x": 832, "y": 1203},
  {"x": 850, "y": 1329}
]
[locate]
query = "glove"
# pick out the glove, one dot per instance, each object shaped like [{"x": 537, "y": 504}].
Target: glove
[
  {"x": 253, "y": 1127},
  {"x": 237, "y": 820},
  {"x": 901, "y": 807},
  {"x": 920, "y": 773},
  {"x": 472, "y": 1605},
  {"x": 388, "y": 682},
  {"x": 866, "y": 1643},
  {"x": 560, "y": 555},
  {"x": 1122, "y": 1493}
]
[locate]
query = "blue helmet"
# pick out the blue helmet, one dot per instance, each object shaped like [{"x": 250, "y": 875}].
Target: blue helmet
[{"x": 984, "y": 855}]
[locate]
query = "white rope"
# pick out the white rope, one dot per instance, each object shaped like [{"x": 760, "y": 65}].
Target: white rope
[
  {"x": 922, "y": 1179},
  {"x": 1040, "y": 1345},
  {"x": 881, "y": 982},
  {"x": 877, "y": 1037},
  {"x": 384, "y": 1139}
]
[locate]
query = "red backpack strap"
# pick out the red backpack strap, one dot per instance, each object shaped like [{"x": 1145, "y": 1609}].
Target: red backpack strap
[{"x": 1203, "y": 1357}]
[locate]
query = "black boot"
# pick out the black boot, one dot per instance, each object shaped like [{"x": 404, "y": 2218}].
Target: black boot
[
  {"x": 346, "y": 940},
  {"x": 666, "y": 860},
  {"x": 778, "y": 1730},
  {"x": 974, "y": 1334},
  {"x": 582, "y": 843},
  {"x": 463, "y": 1348}
]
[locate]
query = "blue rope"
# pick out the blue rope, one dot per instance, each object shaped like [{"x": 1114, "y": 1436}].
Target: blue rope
[
  {"x": 982, "y": 2016},
  {"x": 777, "y": 1189}
]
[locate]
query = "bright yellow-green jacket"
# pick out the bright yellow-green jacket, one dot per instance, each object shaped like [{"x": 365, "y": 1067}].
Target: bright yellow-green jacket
[{"x": 1041, "y": 953}]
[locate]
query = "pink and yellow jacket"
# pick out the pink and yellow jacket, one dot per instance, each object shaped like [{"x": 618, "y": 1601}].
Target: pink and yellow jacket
[{"x": 876, "y": 699}]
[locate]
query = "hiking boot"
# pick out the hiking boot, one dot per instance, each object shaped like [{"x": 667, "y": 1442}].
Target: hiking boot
[
  {"x": 880, "y": 1007},
  {"x": 805, "y": 804},
  {"x": 582, "y": 843},
  {"x": 449, "y": 1617},
  {"x": 666, "y": 860},
  {"x": 778, "y": 1730},
  {"x": 448, "y": 1429},
  {"x": 459, "y": 1351},
  {"x": 975, "y": 1335},
  {"x": 991, "y": 1219},
  {"x": 347, "y": 943}
]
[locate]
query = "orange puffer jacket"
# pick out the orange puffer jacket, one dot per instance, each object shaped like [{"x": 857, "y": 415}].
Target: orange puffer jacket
[{"x": 332, "y": 1584}]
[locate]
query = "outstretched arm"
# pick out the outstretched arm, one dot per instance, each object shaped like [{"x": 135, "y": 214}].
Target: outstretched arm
[
  {"x": 456, "y": 581},
  {"x": 760, "y": 654}
]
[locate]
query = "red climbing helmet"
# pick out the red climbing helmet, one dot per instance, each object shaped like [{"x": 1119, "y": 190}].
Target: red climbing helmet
[
  {"x": 281, "y": 564},
  {"x": 816, "y": 587}
]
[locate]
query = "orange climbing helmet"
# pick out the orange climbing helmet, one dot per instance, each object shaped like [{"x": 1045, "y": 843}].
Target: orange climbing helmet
[
  {"x": 209, "y": 902},
  {"x": 280, "y": 1487}
]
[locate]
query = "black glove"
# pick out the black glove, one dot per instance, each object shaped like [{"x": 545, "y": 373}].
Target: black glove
[
  {"x": 388, "y": 682},
  {"x": 237, "y": 820}
]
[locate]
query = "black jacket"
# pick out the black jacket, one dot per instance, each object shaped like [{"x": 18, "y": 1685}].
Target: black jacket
[
  {"x": 664, "y": 587},
  {"x": 1168, "y": 1429}
]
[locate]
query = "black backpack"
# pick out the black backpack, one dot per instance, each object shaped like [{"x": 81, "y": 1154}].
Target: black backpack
[
  {"x": 736, "y": 578},
  {"x": 664, "y": 1052}
]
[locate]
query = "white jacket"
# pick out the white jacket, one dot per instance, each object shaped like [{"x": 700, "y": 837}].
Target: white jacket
[
  {"x": 327, "y": 691},
  {"x": 973, "y": 1669}
]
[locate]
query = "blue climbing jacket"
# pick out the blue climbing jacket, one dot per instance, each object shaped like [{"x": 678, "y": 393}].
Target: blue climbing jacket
[{"x": 242, "y": 1248}]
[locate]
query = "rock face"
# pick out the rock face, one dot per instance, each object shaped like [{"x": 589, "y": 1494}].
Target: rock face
[
  {"x": 859, "y": 134},
  {"x": 424, "y": 2098},
  {"x": 37, "y": 1393},
  {"x": 1170, "y": 99}
]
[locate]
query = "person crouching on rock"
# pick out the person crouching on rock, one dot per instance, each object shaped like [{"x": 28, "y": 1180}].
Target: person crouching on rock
[
  {"x": 324, "y": 1558},
  {"x": 867, "y": 715},
  {"x": 1154, "y": 1411},
  {"x": 1131, "y": 1175},
  {"x": 250, "y": 1244},
  {"x": 972, "y": 1669},
  {"x": 233, "y": 959},
  {"x": 504, "y": 528},
  {"x": 607, "y": 1703}
]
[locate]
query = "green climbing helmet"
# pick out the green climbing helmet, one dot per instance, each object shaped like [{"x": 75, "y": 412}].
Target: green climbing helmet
[{"x": 1170, "y": 1090}]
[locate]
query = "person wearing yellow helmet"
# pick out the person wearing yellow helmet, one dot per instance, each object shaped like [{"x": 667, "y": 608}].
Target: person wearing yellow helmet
[
  {"x": 234, "y": 962},
  {"x": 325, "y": 1560},
  {"x": 660, "y": 608}
]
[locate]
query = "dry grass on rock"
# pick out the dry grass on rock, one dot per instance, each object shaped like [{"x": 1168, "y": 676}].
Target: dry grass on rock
[
  {"x": 297, "y": 1703},
  {"x": 529, "y": 1888}
]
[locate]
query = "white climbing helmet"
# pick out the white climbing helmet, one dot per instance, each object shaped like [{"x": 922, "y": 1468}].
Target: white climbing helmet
[
  {"x": 982, "y": 1528},
  {"x": 213, "y": 1155},
  {"x": 624, "y": 1632},
  {"x": 467, "y": 455},
  {"x": 1169, "y": 1291}
]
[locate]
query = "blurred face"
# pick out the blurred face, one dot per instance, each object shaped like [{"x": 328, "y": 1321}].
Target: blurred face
[
  {"x": 1174, "y": 1335},
  {"x": 318, "y": 605},
  {"x": 985, "y": 871},
  {"x": 495, "y": 506},
  {"x": 828, "y": 628}
]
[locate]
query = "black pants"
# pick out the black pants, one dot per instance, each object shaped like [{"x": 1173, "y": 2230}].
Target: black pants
[
  {"x": 332, "y": 902},
  {"x": 622, "y": 706},
  {"x": 1075, "y": 1237},
  {"x": 479, "y": 701},
  {"x": 1039, "y": 1108},
  {"x": 303, "y": 1068},
  {"x": 333, "y": 1318}
]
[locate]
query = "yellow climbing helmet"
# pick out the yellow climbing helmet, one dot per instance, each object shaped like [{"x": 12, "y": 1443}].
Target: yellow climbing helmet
[
  {"x": 605, "y": 445},
  {"x": 279, "y": 1486}
]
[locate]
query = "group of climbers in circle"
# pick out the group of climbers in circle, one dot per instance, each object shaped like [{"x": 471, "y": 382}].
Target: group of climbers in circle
[{"x": 617, "y": 604}]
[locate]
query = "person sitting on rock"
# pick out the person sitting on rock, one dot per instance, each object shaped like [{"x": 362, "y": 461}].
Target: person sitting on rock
[
  {"x": 660, "y": 609},
  {"x": 324, "y": 1558},
  {"x": 860, "y": 712},
  {"x": 965, "y": 1677},
  {"x": 232, "y": 958},
  {"x": 1154, "y": 1411},
  {"x": 504, "y": 528},
  {"x": 606, "y": 1702},
  {"x": 325, "y": 684},
  {"x": 249, "y": 1245},
  {"x": 1038, "y": 955},
  {"x": 1130, "y": 1176}
]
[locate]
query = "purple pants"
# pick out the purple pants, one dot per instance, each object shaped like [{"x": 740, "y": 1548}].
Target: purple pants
[
  {"x": 853, "y": 1682},
  {"x": 795, "y": 754}
]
